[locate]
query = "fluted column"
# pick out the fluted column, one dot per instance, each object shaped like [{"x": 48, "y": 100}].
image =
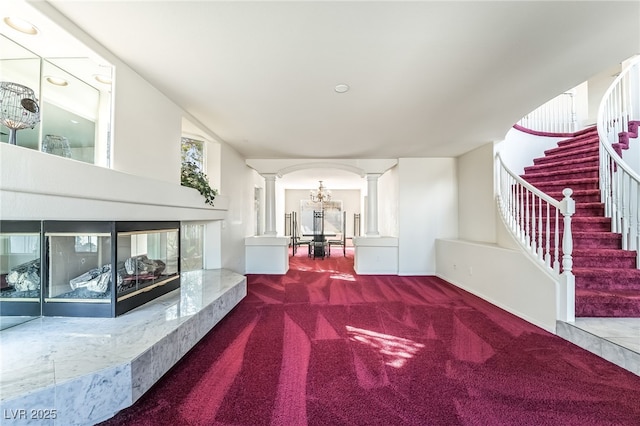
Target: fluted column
[
  {"x": 270, "y": 204},
  {"x": 372, "y": 205}
]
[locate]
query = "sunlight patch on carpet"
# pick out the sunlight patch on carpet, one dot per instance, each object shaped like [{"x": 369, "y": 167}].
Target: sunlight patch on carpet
[
  {"x": 343, "y": 276},
  {"x": 396, "y": 350}
]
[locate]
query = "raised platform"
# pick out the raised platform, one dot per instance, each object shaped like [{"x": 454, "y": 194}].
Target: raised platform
[
  {"x": 615, "y": 339},
  {"x": 80, "y": 371}
]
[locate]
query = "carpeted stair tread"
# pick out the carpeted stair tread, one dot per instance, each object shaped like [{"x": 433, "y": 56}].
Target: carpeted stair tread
[
  {"x": 589, "y": 239},
  {"x": 607, "y": 279},
  {"x": 607, "y": 303},
  {"x": 579, "y": 141},
  {"x": 623, "y": 274},
  {"x": 575, "y": 184},
  {"x": 605, "y": 252},
  {"x": 573, "y": 147},
  {"x": 573, "y": 154},
  {"x": 564, "y": 163},
  {"x": 560, "y": 158},
  {"x": 579, "y": 171},
  {"x": 599, "y": 258}
]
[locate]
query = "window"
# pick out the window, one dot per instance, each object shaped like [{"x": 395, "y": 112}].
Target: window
[
  {"x": 24, "y": 244},
  {"x": 193, "y": 152},
  {"x": 86, "y": 244}
]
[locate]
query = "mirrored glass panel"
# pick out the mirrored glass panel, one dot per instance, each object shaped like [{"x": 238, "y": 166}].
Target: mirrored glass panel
[
  {"x": 70, "y": 110},
  {"x": 19, "y": 72},
  {"x": 61, "y": 106}
]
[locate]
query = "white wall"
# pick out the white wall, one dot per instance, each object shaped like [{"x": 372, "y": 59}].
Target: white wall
[
  {"x": 518, "y": 149},
  {"x": 147, "y": 128},
  {"x": 599, "y": 84},
  {"x": 238, "y": 182},
  {"x": 427, "y": 211},
  {"x": 388, "y": 186},
  {"x": 476, "y": 214}
]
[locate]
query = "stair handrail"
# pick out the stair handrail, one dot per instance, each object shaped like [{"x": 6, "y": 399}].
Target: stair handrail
[
  {"x": 527, "y": 212},
  {"x": 619, "y": 183}
]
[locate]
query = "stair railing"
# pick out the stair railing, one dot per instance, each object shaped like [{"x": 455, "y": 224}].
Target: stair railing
[
  {"x": 542, "y": 225},
  {"x": 619, "y": 183},
  {"x": 556, "y": 116}
]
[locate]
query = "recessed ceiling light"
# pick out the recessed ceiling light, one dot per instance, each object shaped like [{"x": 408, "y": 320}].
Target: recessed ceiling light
[
  {"x": 342, "y": 88},
  {"x": 21, "y": 25},
  {"x": 104, "y": 79},
  {"x": 57, "y": 81}
]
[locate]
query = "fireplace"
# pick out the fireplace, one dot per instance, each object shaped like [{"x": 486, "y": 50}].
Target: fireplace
[{"x": 107, "y": 268}]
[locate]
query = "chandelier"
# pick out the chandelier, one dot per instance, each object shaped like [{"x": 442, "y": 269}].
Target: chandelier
[{"x": 321, "y": 194}]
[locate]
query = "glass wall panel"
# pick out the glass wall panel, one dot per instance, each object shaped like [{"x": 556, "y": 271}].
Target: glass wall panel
[{"x": 192, "y": 247}]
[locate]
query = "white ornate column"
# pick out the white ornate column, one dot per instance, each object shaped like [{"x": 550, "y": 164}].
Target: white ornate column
[
  {"x": 270, "y": 204},
  {"x": 372, "y": 205},
  {"x": 374, "y": 254},
  {"x": 267, "y": 253}
]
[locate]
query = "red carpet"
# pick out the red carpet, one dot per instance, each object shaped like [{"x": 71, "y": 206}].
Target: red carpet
[
  {"x": 607, "y": 281},
  {"x": 322, "y": 346}
]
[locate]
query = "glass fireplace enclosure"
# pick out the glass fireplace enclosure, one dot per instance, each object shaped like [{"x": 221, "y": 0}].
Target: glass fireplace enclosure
[
  {"x": 106, "y": 268},
  {"x": 20, "y": 277}
]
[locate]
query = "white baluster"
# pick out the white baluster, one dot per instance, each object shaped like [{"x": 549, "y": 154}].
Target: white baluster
[
  {"x": 623, "y": 210},
  {"x": 637, "y": 225},
  {"x": 532, "y": 230},
  {"x": 547, "y": 254},
  {"x": 527, "y": 235},
  {"x": 540, "y": 249},
  {"x": 556, "y": 245}
]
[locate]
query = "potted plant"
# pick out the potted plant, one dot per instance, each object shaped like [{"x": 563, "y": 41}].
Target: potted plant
[{"x": 193, "y": 177}]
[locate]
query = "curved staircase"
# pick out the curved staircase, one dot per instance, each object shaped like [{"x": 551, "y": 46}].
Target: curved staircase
[{"x": 606, "y": 277}]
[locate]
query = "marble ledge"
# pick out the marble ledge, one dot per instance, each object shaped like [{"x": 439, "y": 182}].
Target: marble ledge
[
  {"x": 613, "y": 349},
  {"x": 88, "y": 369}
]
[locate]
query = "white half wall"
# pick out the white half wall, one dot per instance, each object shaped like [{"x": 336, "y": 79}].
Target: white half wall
[
  {"x": 504, "y": 277},
  {"x": 39, "y": 186}
]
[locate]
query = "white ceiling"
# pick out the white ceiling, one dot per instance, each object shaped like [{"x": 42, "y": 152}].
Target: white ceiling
[{"x": 427, "y": 78}]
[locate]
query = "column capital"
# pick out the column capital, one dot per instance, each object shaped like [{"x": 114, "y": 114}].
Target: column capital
[{"x": 373, "y": 176}]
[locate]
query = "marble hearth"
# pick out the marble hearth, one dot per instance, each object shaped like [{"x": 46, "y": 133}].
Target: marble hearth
[{"x": 84, "y": 370}]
